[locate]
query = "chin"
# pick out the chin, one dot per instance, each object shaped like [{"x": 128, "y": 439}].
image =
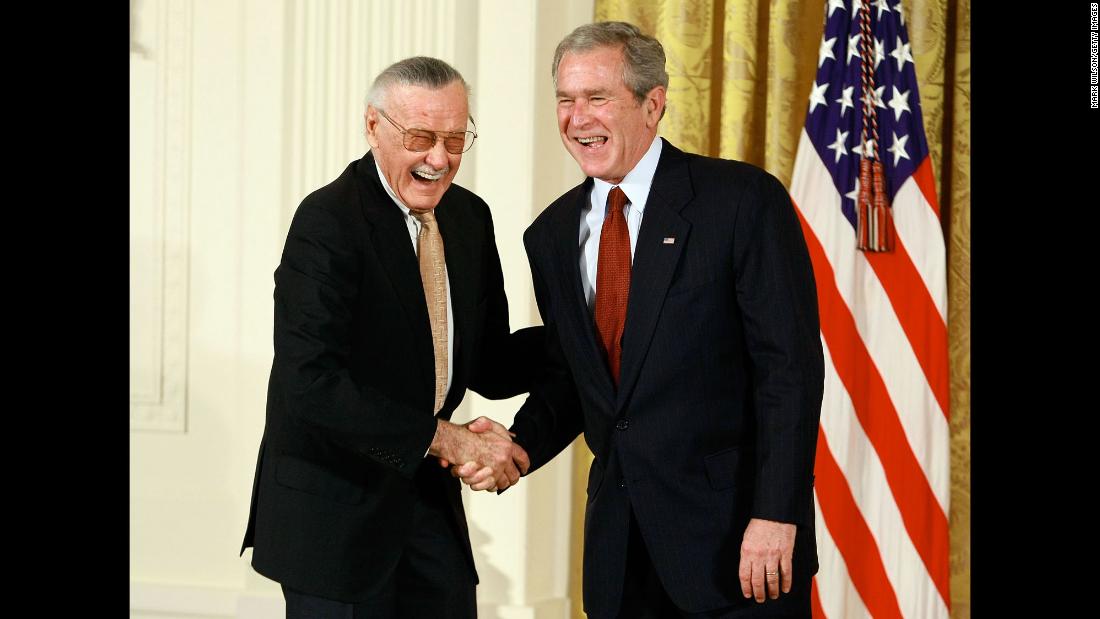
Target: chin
[{"x": 595, "y": 171}]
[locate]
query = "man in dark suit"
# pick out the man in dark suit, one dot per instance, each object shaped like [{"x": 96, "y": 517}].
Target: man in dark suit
[
  {"x": 681, "y": 317},
  {"x": 389, "y": 303}
]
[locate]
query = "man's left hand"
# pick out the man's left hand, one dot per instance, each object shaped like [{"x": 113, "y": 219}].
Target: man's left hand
[{"x": 766, "y": 558}]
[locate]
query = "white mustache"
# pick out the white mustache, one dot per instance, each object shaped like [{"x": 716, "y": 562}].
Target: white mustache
[{"x": 430, "y": 171}]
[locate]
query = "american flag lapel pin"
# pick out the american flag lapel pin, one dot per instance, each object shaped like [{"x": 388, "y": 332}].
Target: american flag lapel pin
[{"x": 669, "y": 240}]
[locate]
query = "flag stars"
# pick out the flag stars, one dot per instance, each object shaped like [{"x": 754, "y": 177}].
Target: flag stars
[
  {"x": 834, "y": 5},
  {"x": 853, "y": 48},
  {"x": 838, "y": 146},
  {"x": 899, "y": 102},
  {"x": 877, "y": 97},
  {"x": 898, "y": 149},
  {"x": 825, "y": 51},
  {"x": 880, "y": 53},
  {"x": 817, "y": 96},
  {"x": 868, "y": 154},
  {"x": 901, "y": 54},
  {"x": 882, "y": 7},
  {"x": 901, "y": 14},
  {"x": 853, "y": 195},
  {"x": 845, "y": 100}
]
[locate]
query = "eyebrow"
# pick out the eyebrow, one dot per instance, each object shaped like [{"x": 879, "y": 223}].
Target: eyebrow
[{"x": 586, "y": 93}]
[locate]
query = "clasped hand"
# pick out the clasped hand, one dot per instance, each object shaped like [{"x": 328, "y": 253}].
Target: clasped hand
[{"x": 490, "y": 460}]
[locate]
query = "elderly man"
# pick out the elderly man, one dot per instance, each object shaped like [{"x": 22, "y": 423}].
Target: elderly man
[
  {"x": 389, "y": 303},
  {"x": 681, "y": 311}
]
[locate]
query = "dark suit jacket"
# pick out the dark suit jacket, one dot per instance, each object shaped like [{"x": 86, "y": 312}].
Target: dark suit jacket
[
  {"x": 350, "y": 398},
  {"x": 716, "y": 417}
]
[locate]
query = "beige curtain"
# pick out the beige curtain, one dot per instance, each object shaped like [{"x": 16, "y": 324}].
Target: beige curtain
[{"x": 740, "y": 75}]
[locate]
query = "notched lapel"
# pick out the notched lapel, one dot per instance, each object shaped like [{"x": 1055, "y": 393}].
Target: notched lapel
[
  {"x": 566, "y": 228},
  {"x": 654, "y": 263},
  {"x": 390, "y": 238}
]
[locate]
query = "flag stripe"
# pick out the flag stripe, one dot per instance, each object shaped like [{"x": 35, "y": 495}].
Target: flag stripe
[
  {"x": 816, "y": 611},
  {"x": 919, "y": 230},
  {"x": 924, "y": 519},
  {"x": 838, "y": 595},
  {"x": 918, "y": 225},
  {"x": 852, "y": 537},
  {"x": 927, "y": 183},
  {"x": 866, "y": 479},
  {"x": 891, "y": 352},
  {"x": 917, "y": 315}
]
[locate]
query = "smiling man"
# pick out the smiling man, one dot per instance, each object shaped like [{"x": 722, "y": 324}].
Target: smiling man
[
  {"x": 681, "y": 318},
  {"x": 389, "y": 303}
]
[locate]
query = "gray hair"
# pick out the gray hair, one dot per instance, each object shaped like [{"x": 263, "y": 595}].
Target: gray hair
[
  {"x": 643, "y": 55},
  {"x": 421, "y": 71}
]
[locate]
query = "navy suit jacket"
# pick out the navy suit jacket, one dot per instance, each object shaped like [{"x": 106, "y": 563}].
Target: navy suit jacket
[{"x": 715, "y": 420}]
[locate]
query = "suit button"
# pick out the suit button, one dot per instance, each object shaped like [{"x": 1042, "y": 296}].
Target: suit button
[
  {"x": 623, "y": 424},
  {"x": 622, "y": 483}
]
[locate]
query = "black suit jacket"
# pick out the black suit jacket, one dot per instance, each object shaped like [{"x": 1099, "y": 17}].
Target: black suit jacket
[
  {"x": 351, "y": 393},
  {"x": 716, "y": 417}
]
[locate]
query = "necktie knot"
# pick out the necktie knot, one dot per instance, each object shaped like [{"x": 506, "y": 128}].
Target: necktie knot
[
  {"x": 424, "y": 217},
  {"x": 616, "y": 200}
]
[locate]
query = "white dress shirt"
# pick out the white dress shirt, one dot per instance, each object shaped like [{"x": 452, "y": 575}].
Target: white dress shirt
[
  {"x": 413, "y": 224},
  {"x": 636, "y": 186}
]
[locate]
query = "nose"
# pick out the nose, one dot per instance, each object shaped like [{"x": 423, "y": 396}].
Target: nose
[
  {"x": 580, "y": 115},
  {"x": 437, "y": 155}
]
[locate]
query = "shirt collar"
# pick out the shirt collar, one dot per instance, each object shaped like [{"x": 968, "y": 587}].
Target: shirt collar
[
  {"x": 637, "y": 182},
  {"x": 390, "y": 192}
]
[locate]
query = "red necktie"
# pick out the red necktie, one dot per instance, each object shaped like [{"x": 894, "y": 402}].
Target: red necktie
[{"x": 613, "y": 280}]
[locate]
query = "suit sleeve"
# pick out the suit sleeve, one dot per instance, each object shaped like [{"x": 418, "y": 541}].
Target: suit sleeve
[
  {"x": 778, "y": 301},
  {"x": 508, "y": 362},
  {"x": 316, "y": 287},
  {"x": 551, "y": 417}
]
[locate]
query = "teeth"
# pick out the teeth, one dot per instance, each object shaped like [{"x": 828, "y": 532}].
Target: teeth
[
  {"x": 591, "y": 139},
  {"x": 425, "y": 175}
]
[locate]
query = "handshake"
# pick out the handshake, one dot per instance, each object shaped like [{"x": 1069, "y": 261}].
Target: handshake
[{"x": 482, "y": 453}]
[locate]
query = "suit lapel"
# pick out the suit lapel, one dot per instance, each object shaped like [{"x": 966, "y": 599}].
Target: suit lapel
[
  {"x": 654, "y": 263},
  {"x": 390, "y": 238},
  {"x": 575, "y": 310}
]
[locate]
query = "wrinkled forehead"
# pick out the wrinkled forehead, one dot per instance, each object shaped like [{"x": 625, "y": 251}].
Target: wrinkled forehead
[{"x": 440, "y": 109}]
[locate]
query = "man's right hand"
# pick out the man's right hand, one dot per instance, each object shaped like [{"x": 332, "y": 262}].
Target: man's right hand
[{"x": 486, "y": 449}]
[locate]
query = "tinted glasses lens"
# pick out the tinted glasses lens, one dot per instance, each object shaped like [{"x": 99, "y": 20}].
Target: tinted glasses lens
[
  {"x": 455, "y": 144},
  {"x": 418, "y": 140}
]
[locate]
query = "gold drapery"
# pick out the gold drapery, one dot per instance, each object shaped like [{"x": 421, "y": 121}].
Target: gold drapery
[{"x": 750, "y": 102}]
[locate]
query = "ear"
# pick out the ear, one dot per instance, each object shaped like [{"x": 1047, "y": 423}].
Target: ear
[
  {"x": 370, "y": 122},
  {"x": 654, "y": 106}
]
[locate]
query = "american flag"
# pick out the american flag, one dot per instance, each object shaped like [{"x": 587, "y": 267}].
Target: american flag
[{"x": 882, "y": 468}]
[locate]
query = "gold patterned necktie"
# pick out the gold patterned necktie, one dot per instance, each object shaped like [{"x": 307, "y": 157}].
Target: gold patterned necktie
[{"x": 433, "y": 272}]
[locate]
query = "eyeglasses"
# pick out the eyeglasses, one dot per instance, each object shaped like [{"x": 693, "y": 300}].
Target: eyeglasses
[{"x": 421, "y": 140}]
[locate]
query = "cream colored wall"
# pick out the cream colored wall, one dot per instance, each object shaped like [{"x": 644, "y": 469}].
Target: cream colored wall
[{"x": 238, "y": 109}]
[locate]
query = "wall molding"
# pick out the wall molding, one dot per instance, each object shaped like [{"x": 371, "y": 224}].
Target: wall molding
[{"x": 158, "y": 326}]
